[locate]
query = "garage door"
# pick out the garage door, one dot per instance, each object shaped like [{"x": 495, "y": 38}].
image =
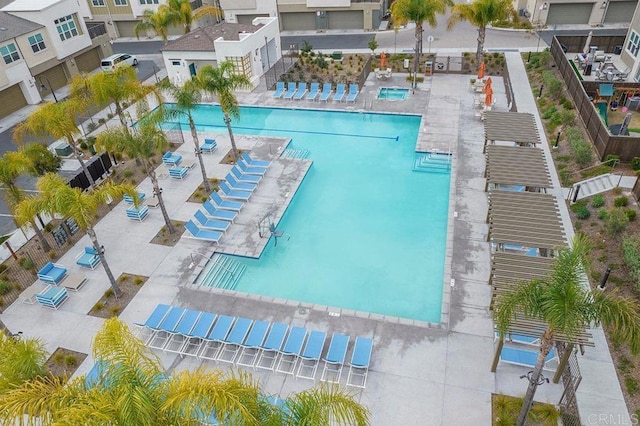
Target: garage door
[
  {"x": 88, "y": 61},
  {"x": 620, "y": 11},
  {"x": 298, "y": 21},
  {"x": 11, "y": 100},
  {"x": 54, "y": 76},
  {"x": 569, "y": 13},
  {"x": 125, "y": 28},
  {"x": 247, "y": 19},
  {"x": 345, "y": 20}
]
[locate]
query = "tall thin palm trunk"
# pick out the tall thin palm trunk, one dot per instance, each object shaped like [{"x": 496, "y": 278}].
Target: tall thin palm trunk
[
  {"x": 418, "y": 53},
  {"x": 123, "y": 120},
  {"x": 482, "y": 32},
  {"x": 158, "y": 192},
  {"x": 43, "y": 241},
  {"x": 227, "y": 121},
  {"x": 98, "y": 248},
  {"x": 545, "y": 347},
  {"x": 196, "y": 144},
  {"x": 78, "y": 156}
]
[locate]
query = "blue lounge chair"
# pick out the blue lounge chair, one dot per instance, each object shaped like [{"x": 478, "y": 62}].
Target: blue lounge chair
[
  {"x": 231, "y": 345},
  {"x": 129, "y": 200},
  {"x": 241, "y": 186},
  {"x": 52, "y": 273},
  {"x": 243, "y": 177},
  {"x": 171, "y": 159},
  {"x": 205, "y": 222},
  {"x": 246, "y": 169},
  {"x": 251, "y": 346},
  {"x": 291, "y": 350},
  {"x": 217, "y": 200},
  {"x": 353, "y": 92},
  {"x": 198, "y": 334},
  {"x": 202, "y": 234},
  {"x": 152, "y": 324},
  {"x": 52, "y": 296},
  {"x": 88, "y": 258},
  {"x": 271, "y": 348},
  {"x": 218, "y": 214},
  {"x": 527, "y": 358},
  {"x": 167, "y": 328},
  {"x": 302, "y": 90},
  {"x": 182, "y": 332},
  {"x": 326, "y": 92},
  {"x": 291, "y": 90},
  {"x": 311, "y": 355},
  {"x": 334, "y": 360},
  {"x": 313, "y": 92},
  {"x": 138, "y": 214},
  {"x": 208, "y": 146},
  {"x": 178, "y": 172},
  {"x": 359, "y": 366},
  {"x": 214, "y": 340},
  {"x": 233, "y": 193},
  {"x": 279, "y": 89},
  {"x": 254, "y": 163},
  {"x": 340, "y": 92}
]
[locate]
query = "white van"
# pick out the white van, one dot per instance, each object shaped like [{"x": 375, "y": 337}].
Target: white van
[{"x": 118, "y": 60}]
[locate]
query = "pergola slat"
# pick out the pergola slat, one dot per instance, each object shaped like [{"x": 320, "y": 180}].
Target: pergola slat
[
  {"x": 515, "y": 127},
  {"x": 513, "y": 165}
]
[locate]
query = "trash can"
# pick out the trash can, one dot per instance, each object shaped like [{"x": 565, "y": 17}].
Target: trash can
[
  {"x": 428, "y": 68},
  {"x": 64, "y": 150},
  {"x": 618, "y": 49},
  {"x": 587, "y": 69}
]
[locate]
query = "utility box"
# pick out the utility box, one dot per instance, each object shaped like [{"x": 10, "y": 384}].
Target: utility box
[
  {"x": 428, "y": 68},
  {"x": 406, "y": 63},
  {"x": 64, "y": 150}
]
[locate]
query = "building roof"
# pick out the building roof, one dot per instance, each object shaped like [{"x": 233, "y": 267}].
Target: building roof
[
  {"x": 12, "y": 26},
  {"x": 26, "y": 5},
  {"x": 201, "y": 39}
]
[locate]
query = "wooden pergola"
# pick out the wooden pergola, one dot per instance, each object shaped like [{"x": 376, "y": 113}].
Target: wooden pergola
[
  {"x": 517, "y": 127},
  {"x": 514, "y": 165}
]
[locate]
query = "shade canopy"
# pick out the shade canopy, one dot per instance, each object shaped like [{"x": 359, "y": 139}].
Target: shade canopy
[
  {"x": 515, "y": 127},
  {"x": 517, "y": 165}
]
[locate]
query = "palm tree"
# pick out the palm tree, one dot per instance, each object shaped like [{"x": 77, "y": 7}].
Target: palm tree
[
  {"x": 481, "y": 13},
  {"x": 566, "y": 307},
  {"x": 175, "y": 12},
  {"x": 56, "y": 196},
  {"x": 222, "y": 81},
  {"x": 157, "y": 22},
  {"x": 418, "y": 11},
  {"x": 187, "y": 97},
  {"x": 12, "y": 165},
  {"x": 22, "y": 360},
  {"x": 116, "y": 87},
  {"x": 133, "y": 389},
  {"x": 57, "y": 120},
  {"x": 144, "y": 144}
]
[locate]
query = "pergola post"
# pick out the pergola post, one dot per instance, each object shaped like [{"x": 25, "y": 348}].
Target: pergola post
[
  {"x": 563, "y": 362},
  {"x": 496, "y": 356}
]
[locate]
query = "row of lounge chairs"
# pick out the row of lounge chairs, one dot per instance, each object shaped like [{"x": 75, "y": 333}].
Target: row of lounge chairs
[
  {"x": 223, "y": 206},
  {"x": 300, "y": 92},
  {"x": 256, "y": 344}
]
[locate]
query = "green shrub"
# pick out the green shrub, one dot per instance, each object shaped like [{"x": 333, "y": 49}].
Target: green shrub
[
  {"x": 98, "y": 306},
  {"x": 567, "y": 104},
  {"x": 631, "y": 214},
  {"x": 108, "y": 293},
  {"x": 128, "y": 173},
  {"x": 572, "y": 133},
  {"x": 555, "y": 88},
  {"x": 5, "y": 287},
  {"x": 578, "y": 205},
  {"x": 597, "y": 201},
  {"x": 611, "y": 158},
  {"x": 71, "y": 361},
  {"x": 631, "y": 384},
  {"x": 27, "y": 263},
  {"x": 548, "y": 113},
  {"x": 83, "y": 145},
  {"x": 621, "y": 201},
  {"x": 138, "y": 280},
  {"x": 582, "y": 153},
  {"x": 635, "y": 163},
  {"x": 616, "y": 221},
  {"x": 567, "y": 117},
  {"x": 583, "y": 213},
  {"x": 602, "y": 214},
  {"x": 306, "y": 47},
  {"x": 542, "y": 102},
  {"x": 544, "y": 58}
]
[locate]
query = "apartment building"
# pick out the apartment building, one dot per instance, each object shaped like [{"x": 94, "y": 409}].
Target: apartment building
[
  {"x": 562, "y": 12},
  {"x": 309, "y": 15},
  {"x": 43, "y": 44}
]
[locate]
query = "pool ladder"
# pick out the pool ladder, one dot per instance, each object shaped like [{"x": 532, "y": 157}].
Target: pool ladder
[{"x": 266, "y": 228}]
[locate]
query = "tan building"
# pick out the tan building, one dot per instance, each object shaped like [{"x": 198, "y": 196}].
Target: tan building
[
  {"x": 630, "y": 54},
  {"x": 548, "y": 13}
]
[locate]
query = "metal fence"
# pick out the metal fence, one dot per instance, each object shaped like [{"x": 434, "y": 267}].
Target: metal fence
[
  {"x": 627, "y": 147},
  {"x": 96, "y": 29},
  {"x": 273, "y": 74},
  {"x": 571, "y": 379},
  {"x": 448, "y": 64}
]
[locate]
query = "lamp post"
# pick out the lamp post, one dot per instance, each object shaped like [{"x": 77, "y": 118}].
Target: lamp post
[{"x": 44, "y": 88}]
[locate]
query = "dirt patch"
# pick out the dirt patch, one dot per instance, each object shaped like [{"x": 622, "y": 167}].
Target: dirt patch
[
  {"x": 229, "y": 158},
  {"x": 164, "y": 238},
  {"x": 64, "y": 362},
  {"x": 109, "y": 306},
  {"x": 200, "y": 195}
]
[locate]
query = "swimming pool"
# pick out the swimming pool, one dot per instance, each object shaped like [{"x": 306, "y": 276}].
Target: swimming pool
[
  {"x": 393, "y": 94},
  {"x": 366, "y": 231}
]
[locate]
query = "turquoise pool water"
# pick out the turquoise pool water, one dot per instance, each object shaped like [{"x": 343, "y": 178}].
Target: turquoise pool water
[
  {"x": 393, "y": 94},
  {"x": 366, "y": 231}
]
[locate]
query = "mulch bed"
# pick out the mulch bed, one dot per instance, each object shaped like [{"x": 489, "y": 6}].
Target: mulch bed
[
  {"x": 164, "y": 238},
  {"x": 64, "y": 362},
  {"x": 109, "y": 306}
]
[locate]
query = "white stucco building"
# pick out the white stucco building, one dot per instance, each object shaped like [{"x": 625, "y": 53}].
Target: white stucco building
[{"x": 252, "y": 48}]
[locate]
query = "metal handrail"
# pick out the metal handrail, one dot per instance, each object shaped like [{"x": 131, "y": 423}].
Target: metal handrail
[{"x": 615, "y": 163}]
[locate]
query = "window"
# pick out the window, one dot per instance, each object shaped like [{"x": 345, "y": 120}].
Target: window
[
  {"x": 175, "y": 63},
  {"x": 148, "y": 2},
  {"x": 9, "y": 53},
  {"x": 241, "y": 64},
  {"x": 98, "y": 2},
  {"x": 37, "y": 43},
  {"x": 120, "y": 2},
  {"x": 634, "y": 43},
  {"x": 66, "y": 27}
]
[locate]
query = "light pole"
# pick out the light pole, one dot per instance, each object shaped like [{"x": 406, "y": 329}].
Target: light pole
[{"x": 44, "y": 88}]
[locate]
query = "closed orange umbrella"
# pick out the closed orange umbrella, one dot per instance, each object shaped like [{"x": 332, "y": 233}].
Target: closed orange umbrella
[
  {"x": 488, "y": 99},
  {"x": 487, "y": 85},
  {"x": 481, "y": 71},
  {"x": 383, "y": 60}
]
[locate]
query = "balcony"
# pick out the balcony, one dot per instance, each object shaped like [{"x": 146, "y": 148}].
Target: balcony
[{"x": 96, "y": 29}]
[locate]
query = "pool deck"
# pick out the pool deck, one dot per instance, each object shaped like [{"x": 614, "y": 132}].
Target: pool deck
[{"x": 437, "y": 374}]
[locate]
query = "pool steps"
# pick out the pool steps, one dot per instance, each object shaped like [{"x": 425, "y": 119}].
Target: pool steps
[
  {"x": 224, "y": 273},
  {"x": 431, "y": 162},
  {"x": 299, "y": 154}
]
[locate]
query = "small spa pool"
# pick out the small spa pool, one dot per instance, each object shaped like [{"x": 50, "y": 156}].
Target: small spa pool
[{"x": 393, "y": 94}]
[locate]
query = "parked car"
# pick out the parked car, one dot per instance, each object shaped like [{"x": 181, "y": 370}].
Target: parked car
[{"x": 118, "y": 60}]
